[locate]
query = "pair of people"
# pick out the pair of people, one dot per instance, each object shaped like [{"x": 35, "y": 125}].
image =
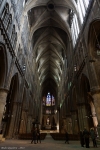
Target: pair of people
[
  {"x": 35, "y": 136},
  {"x": 85, "y": 135}
]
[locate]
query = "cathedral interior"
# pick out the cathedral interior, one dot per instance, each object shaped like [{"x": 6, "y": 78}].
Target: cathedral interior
[{"x": 49, "y": 66}]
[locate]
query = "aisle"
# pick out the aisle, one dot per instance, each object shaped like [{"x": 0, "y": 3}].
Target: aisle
[{"x": 49, "y": 138}]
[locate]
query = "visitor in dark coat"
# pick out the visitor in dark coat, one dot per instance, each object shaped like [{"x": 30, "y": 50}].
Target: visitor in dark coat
[
  {"x": 86, "y": 137},
  {"x": 67, "y": 137},
  {"x": 34, "y": 135},
  {"x": 38, "y": 136},
  {"x": 93, "y": 137},
  {"x": 81, "y": 139}
]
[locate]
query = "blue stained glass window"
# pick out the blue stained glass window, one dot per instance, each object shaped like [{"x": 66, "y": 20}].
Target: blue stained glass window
[{"x": 49, "y": 100}]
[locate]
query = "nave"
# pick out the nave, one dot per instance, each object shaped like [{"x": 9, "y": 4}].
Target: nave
[
  {"x": 49, "y": 68},
  {"x": 47, "y": 144}
]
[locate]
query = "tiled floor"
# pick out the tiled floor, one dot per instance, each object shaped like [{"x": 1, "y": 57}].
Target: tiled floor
[{"x": 47, "y": 144}]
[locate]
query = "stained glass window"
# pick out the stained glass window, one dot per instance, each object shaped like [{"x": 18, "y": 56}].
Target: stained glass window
[{"x": 49, "y": 100}]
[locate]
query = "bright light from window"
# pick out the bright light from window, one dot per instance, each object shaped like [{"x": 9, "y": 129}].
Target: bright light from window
[
  {"x": 23, "y": 3},
  {"x": 82, "y": 6}
]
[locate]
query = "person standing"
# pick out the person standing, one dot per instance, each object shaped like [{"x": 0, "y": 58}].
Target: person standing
[
  {"x": 67, "y": 137},
  {"x": 38, "y": 136},
  {"x": 93, "y": 137},
  {"x": 86, "y": 137},
  {"x": 34, "y": 136},
  {"x": 81, "y": 139}
]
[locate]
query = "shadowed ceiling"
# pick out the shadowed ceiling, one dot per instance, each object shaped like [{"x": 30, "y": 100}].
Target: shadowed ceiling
[{"x": 50, "y": 34}]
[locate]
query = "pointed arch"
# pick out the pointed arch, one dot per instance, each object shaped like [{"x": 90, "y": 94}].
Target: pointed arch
[{"x": 3, "y": 64}]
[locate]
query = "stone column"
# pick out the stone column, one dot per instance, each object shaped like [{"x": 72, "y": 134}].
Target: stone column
[
  {"x": 57, "y": 120},
  {"x": 93, "y": 112},
  {"x": 3, "y": 96},
  {"x": 96, "y": 97},
  {"x": 29, "y": 124},
  {"x": 26, "y": 119},
  {"x": 83, "y": 118},
  {"x": 12, "y": 121},
  {"x": 19, "y": 116},
  {"x": 9, "y": 76},
  {"x": 23, "y": 123},
  {"x": 17, "y": 120},
  {"x": 74, "y": 123},
  {"x": 20, "y": 104},
  {"x": 69, "y": 125}
]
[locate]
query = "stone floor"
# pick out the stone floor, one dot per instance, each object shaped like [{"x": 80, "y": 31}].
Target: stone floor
[{"x": 47, "y": 144}]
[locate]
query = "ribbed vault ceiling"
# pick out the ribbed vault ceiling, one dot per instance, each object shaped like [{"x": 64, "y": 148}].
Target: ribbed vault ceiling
[{"x": 50, "y": 34}]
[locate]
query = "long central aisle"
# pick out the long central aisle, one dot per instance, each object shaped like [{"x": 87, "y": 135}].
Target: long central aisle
[{"x": 47, "y": 144}]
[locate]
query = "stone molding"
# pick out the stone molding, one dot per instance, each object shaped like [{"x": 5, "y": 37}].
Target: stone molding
[{"x": 4, "y": 89}]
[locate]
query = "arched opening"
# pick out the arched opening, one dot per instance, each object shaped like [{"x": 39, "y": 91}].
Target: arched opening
[
  {"x": 10, "y": 113},
  {"x": 94, "y": 42},
  {"x": 94, "y": 50},
  {"x": 3, "y": 64},
  {"x": 94, "y": 47}
]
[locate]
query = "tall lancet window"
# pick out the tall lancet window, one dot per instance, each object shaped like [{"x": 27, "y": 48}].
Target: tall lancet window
[
  {"x": 82, "y": 7},
  {"x": 75, "y": 29}
]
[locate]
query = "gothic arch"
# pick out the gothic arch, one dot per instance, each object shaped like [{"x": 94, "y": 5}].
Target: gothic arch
[
  {"x": 94, "y": 46},
  {"x": 3, "y": 64},
  {"x": 93, "y": 37},
  {"x": 11, "y": 107}
]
